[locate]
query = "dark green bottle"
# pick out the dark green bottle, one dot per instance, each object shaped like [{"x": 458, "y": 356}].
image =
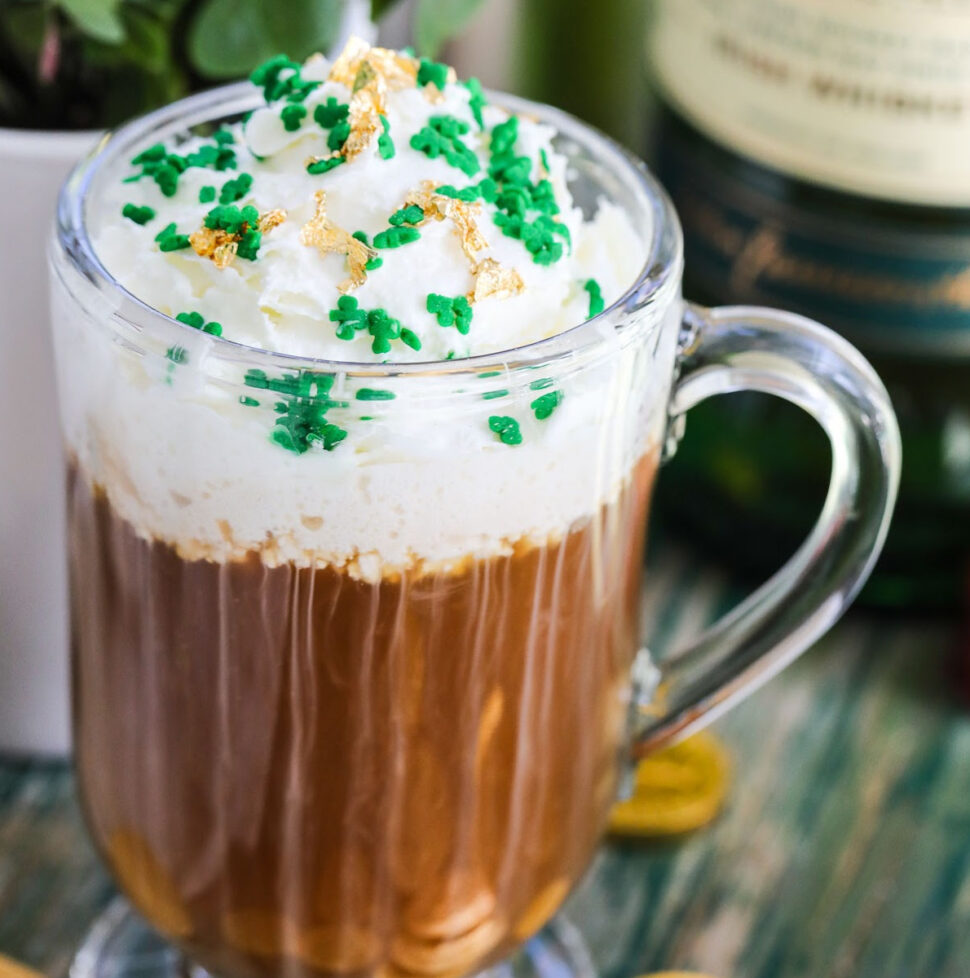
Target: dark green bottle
[{"x": 812, "y": 150}]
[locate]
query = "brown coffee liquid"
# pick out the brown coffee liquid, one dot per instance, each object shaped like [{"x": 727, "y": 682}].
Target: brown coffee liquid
[{"x": 292, "y": 771}]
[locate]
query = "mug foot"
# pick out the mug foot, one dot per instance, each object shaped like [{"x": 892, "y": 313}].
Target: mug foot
[{"x": 122, "y": 945}]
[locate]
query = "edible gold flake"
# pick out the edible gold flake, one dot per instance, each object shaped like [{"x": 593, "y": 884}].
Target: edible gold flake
[
  {"x": 439, "y": 207},
  {"x": 461, "y": 215},
  {"x": 271, "y": 219},
  {"x": 395, "y": 69},
  {"x": 321, "y": 233},
  {"x": 221, "y": 246},
  {"x": 495, "y": 280},
  {"x": 366, "y": 107},
  {"x": 218, "y": 245}
]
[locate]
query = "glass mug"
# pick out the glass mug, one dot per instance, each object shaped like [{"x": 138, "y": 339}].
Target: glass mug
[{"x": 303, "y": 764}]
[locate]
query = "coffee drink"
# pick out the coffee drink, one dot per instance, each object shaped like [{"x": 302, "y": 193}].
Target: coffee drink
[{"x": 354, "y": 591}]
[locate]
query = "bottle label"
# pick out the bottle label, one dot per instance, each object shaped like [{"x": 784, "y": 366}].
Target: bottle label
[{"x": 867, "y": 96}]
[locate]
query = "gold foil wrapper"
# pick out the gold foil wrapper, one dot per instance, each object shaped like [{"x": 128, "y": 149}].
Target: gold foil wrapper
[
  {"x": 321, "y": 233},
  {"x": 676, "y": 790}
]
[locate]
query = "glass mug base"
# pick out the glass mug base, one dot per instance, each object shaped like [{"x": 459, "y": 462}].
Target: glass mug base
[{"x": 122, "y": 945}]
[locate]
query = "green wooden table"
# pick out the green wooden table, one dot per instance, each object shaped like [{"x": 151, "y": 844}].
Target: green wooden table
[{"x": 844, "y": 851}]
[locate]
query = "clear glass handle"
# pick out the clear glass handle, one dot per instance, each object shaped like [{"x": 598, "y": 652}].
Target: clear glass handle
[{"x": 740, "y": 348}]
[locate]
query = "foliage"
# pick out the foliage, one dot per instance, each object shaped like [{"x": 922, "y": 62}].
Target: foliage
[{"x": 88, "y": 64}]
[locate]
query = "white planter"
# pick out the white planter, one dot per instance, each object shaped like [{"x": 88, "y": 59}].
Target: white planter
[
  {"x": 34, "y": 710},
  {"x": 33, "y": 590}
]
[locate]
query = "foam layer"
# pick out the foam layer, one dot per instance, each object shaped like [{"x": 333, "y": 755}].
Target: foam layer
[{"x": 190, "y": 453}]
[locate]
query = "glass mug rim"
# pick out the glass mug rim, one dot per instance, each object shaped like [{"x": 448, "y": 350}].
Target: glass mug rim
[{"x": 662, "y": 263}]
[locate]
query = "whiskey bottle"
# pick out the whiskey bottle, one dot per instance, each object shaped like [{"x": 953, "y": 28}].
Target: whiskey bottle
[{"x": 818, "y": 152}]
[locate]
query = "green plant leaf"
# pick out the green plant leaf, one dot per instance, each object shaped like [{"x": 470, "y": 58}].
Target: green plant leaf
[
  {"x": 380, "y": 7},
  {"x": 99, "y": 19},
  {"x": 229, "y": 38},
  {"x": 436, "y": 21}
]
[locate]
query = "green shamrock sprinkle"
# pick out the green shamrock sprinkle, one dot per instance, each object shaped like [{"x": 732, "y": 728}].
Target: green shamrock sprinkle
[
  {"x": 449, "y": 311},
  {"x": 338, "y": 136},
  {"x": 379, "y": 324},
  {"x": 140, "y": 215},
  {"x": 243, "y": 223},
  {"x": 324, "y": 166},
  {"x": 177, "y": 354},
  {"x": 410, "y": 338},
  {"x": 385, "y": 145},
  {"x": 174, "y": 242},
  {"x": 538, "y": 236},
  {"x": 441, "y": 137},
  {"x": 510, "y": 169},
  {"x": 229, "y": 217},
  {"x": 247, "y": 401},
  {"x": 165, "y": 168},
  {"x": 166, "y": 175},
  {"x": 432, "y": 73},
  {"x": 468, "y": 194},
  {"x": 249, "y": 243},
  {"x": 395, "y": 237},
  {"x": 153, "y": 154},
  {"x": 216, "y": 157},
  {"x": 517, "y": 197},
  {"x": 506, "y": 428},
  {"x": 223, "y": 137},
  {"x": 490, "y": 373},
  {"x": 207, "y": 194},
  {"x": 292, "y": 116},
  {"x": 170, "y": 240},
  {"x": 596, "y": 303},
  {"x": 411, "y": 214},
  {"x": 328, "y": 114},
  {"x": 477, "y": 100},
  {"x": 491, "y": 395},
  {"x": 373, "y": 394},
  {"x": 504, "y": 136},
  {"x": 301, "y": 419},
  {"x": 383, "y": 328},
  {"x": 372, "y": 263},
  {"x": 197, "y": 321},
  {"x": 349, "y": 317},
  {"x": 545, "y": 404},
  {"x": 235, "y": 189},
  {"x": 543, "y": 198},
  {"x": 267, "y": 76}
]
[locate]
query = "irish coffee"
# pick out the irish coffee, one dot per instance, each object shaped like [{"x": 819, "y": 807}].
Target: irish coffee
[
  {"x": 355, "y": 591},
  {"x": 291, "y": 770}
]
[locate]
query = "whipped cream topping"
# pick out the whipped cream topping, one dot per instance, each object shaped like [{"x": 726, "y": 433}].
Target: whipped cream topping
[
  {"x": 283, "y": 299},
  {"x": 374, "y": 475}
]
